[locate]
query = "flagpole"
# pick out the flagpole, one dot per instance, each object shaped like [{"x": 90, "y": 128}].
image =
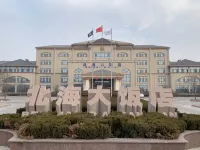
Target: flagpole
[
  {"x": 101, "y": 64},
  {"x": 92, "y": 59},
  {"x": 111, "y": 63}
]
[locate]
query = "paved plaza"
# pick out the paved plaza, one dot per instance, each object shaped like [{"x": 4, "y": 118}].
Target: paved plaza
[{"x": 182, "y": 103}]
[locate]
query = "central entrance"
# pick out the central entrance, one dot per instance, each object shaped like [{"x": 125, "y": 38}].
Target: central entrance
[{"x": 106, "y": 83}]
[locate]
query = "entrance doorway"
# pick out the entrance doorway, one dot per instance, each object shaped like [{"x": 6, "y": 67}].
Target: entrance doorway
[{"x": 106, "y": 83}]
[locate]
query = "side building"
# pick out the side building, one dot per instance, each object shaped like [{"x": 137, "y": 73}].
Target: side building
[
  {"x": 88, "y": 64},
  {"x": 185, "y": 76},
  {"x": 19, "y": 74}
]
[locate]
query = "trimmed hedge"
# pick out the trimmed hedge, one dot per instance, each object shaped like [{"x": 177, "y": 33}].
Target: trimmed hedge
[
  {"x": 86, "y": 126},
  {"x": 192, "y": 121}
]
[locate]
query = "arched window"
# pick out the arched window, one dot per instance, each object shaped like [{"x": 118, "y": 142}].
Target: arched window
[
  {"x": 63, "y": 54},
  {"x": 46, "y": 54},
  {"x": 122, "y": 54},
  {"x": 141, "y": 54},
  {"x": 127, "y": 78},
  {"x": 159, "y": 54},
  {"x": 81, "y": 55},
  {"x": 77, "y": 75}
]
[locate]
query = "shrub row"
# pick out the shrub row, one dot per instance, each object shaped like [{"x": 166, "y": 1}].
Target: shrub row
[
  {"x": 192, "y": 121},
  {"x": 86, "y": 126}
]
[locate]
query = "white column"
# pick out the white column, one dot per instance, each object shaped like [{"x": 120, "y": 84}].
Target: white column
[
  {"x": 117, "y": 84},
  {"x": 86, "y": 84}
]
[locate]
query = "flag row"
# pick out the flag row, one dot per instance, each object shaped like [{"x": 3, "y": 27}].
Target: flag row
[{"x": 100, "y": 29}]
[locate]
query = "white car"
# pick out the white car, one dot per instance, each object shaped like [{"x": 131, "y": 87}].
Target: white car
[{"x": 141, "y": 95}]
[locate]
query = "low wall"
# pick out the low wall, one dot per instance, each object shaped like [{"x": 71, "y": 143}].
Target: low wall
[
  {"x": 107, "y": 144},
  {"x": 5, "y": 135},
  {"x": 187, "y": 140},
  {"x": 193, "y": 138}
]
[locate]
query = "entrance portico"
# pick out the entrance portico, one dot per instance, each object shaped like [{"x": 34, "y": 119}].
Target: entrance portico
[{"x": 102, "y": 77}]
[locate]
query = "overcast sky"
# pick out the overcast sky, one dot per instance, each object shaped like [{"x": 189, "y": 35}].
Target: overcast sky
[{"x": 25, "y": 24}]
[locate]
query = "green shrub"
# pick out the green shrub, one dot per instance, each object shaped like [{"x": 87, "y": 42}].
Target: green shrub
[
  {"x": 9, "y": 120},
  {"x": 92, "y": 130},
  {"x": 155, "y": 125},
  {"x": 1, "y": 124},
  {"x": 116, "y": 120},
  {"x": 43, "y": 131},
  {"x": 145, "y": 105},
  {"x": 192, "y": 121}
]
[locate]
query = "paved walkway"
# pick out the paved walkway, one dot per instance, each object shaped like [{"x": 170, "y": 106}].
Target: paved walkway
[{"x": 4, "y": 148}]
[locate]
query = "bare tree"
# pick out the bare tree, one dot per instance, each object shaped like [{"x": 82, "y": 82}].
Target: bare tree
[
  {"x": 194, "y": 82},
  {"x": 4, "y": 79}
]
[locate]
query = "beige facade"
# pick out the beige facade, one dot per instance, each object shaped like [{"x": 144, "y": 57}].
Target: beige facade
[
  {"x": 20, "y": 75},
  {"x": 144, "y": 66},
  {"x": 185, "y": 76}
]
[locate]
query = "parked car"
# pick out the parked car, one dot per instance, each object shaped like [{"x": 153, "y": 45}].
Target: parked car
[{"x": 141, "y": 95}]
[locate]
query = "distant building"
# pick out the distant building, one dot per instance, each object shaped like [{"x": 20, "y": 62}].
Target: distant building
[
  {"x": 91, "y": 63},
  {"x": 185, "y": 76},
  {"x": 21, "y": 74},
  {"x": 77, "y": 64}
]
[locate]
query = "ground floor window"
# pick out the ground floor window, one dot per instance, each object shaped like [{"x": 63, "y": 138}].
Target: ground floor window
[
  {"x": 143, "y": 89},
  {"x": 126, "y": 85},
  {"x": 48, "y": 86}
]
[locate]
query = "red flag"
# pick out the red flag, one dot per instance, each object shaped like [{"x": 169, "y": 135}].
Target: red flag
[{"x": 99, "y": 29}]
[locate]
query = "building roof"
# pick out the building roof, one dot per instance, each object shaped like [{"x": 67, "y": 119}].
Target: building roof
[
  {"x": 2, "y": 62},
  {"x": 184, "y": 63},
  {"x": 100, "y": 73},
  {"x": 19, "y": 63},
  {"x": 85, "y": 44},
  {"x": 54, "y": 46},
  {"x": 149, "y": 46}
]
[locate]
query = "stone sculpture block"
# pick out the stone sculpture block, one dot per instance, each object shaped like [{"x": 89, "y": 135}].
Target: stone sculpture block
[
  {"x": 162, "y": 98},
  {"x": 39, "y": 100},
  {"x": 128, "y": 101},
  {"x": 99, "y": 101},
  {"x": 69, "y": 100}
]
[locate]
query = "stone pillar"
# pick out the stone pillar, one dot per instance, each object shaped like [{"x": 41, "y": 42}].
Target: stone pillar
[
  {"x": 86, "y": 84},
  {"x": 117, "y": 84}
]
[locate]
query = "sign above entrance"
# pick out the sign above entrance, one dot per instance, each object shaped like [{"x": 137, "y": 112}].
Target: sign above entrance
[{"x": 102, "y": 65}]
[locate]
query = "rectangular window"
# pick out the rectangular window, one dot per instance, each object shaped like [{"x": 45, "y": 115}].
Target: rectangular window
[
  {"x": 142, "y": 62},
  {"x": 45, "y": 79},
  {"x": 161, "y": 70},
  {"x": 48, "y": 86},
  {"x": 45, "y": 62},
  {"x": 64, "y": 79},
  {"x": 160, "y": 62},
  {"x": 45, "y": 70},
  {"x": 142, "y": 70},
  {"x": 141, "y": 79},
  {"x": 143, "y": 87},
  {"x": 161, "y": 79},
  {"x": 64, "y": 62},
  {"x": 64, "y": 70}
]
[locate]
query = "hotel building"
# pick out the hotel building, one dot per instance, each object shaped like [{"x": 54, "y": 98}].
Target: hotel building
[{"x": 102, "y": 62}]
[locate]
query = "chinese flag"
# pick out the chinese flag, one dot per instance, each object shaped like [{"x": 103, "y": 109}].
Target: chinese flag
[{"x": 99, "y": 29}]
